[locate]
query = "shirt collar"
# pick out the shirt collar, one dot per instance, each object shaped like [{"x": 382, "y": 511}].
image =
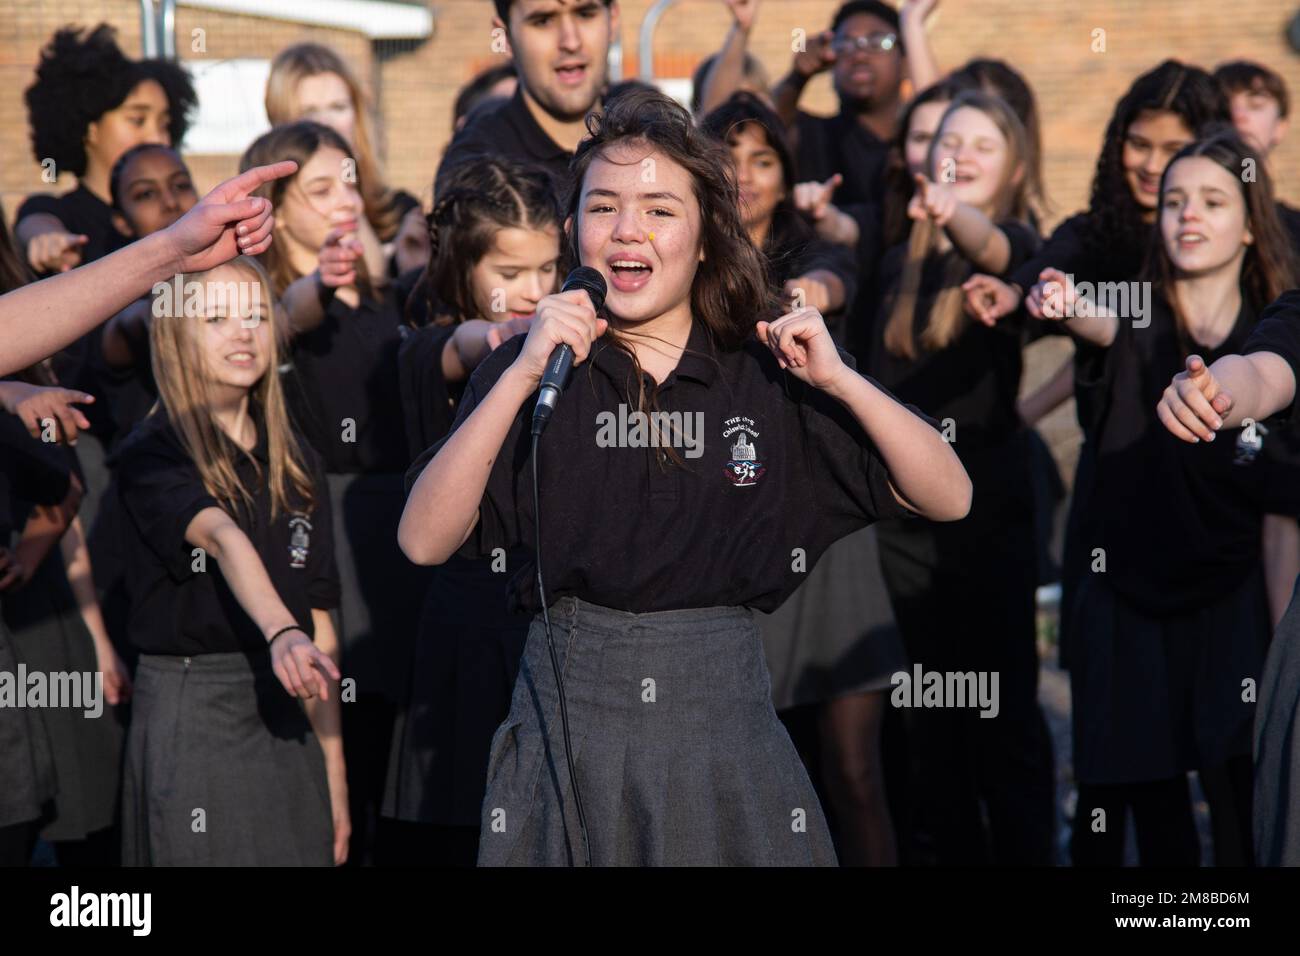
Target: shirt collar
[
  {"x": 534, "y": 139},
  {"x": 699, "y": 362}
]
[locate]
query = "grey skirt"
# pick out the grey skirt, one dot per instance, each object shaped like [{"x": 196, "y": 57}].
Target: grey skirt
[
  {"x": 27, "y": 783},
  {"x": 49, "y": 636},
  {"x": 381, "y": 592},
  {"x": 836, "y": 635},
  {"x": 222, "y": 769},
  {"x": 680, "y": 757}
]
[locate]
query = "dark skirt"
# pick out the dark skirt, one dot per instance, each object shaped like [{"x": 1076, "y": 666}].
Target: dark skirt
[
  {"x": 1277, "y": 748},
  {"x": 1156, "y": 697},
  {"x": 49, "y": 636},
  {"x": 467, "y": 654},
  {"x": 218, "y": 734},
  {"x": 380, "y": 590},
  {"x": 836, "y": 634},
  {"x": 681, "y": 759},
  {"x": 26, "y": 767}
]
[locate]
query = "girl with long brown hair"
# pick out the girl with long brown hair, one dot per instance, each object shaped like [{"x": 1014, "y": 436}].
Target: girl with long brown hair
[
  {"x": 309, "y": 81},
  {"x": 231, "y": 573},
  {"x": 345, "y": 328},
  {"x": 706, "y": 448},
  {"x": 964, "y": 593},
  {"x": 1170, "y": 640}
]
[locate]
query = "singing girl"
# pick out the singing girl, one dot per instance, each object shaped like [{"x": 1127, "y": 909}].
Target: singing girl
[{"x": 659, "y": 537}]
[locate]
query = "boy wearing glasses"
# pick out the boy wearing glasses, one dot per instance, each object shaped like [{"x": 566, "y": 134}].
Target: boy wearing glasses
[{"x": 867, "y": 52}]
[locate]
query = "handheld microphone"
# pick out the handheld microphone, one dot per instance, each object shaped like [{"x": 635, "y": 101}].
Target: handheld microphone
[{"x": 560, "y": 364}]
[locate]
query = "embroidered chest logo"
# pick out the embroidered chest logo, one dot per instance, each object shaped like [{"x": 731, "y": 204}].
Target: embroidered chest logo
[
  {"x": 299, "y": 541},
  {"x": 744, "y": 468}
]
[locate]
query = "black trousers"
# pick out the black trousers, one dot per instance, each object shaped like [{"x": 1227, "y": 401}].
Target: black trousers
[
  {"x": 981, "y": 789},
  {"x": 1162, "y": 820}
]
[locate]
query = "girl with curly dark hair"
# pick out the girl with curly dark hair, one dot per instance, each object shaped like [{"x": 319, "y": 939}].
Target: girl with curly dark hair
[{"x": 89, "y": 105}]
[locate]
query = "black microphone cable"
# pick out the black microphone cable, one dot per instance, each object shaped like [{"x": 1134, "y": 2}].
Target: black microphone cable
[
  {"x": 555, "y": 663},
  {"x": 553, "y": 381}
]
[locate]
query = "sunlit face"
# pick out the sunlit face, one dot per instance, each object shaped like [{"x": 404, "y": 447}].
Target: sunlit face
[
  {"x": 143, "y": 117},
  {"x": 155, "y": 190},
  {"x": 234, "y": 343},
  {"x": 1203, "y": 216},
  {"x": 630, "y": 193},
  {"x": 516, "y": 273},
  {"x": 1149, "y": 143},
  {"x": 972, "y": 149},
  {"x": 921, "y": 127},
  {"x": 319, "y": 199},
  {"x": 866, "y": 76},
  {"x": 758, "y": 174},
  {"x": 561, "y": 48},
  {"x": 1258, "y": 118},
  {"x": 326, "y": 99}
]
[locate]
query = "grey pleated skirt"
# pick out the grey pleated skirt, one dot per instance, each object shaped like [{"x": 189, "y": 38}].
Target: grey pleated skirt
[
  {"x": 836, "y": 635},
  {"x": 680, "y": 757},
  {"x": 222, "y": 768},
  {"x": 27, "y": 783},
  {"x": 49, "y": 636},
  {"x": 381, "y": 592}
]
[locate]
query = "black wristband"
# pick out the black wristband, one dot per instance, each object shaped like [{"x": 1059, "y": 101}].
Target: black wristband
[{"x": 283, "y": 630}]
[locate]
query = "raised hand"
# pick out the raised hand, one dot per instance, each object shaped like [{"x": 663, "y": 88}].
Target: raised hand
[
  {"x": 35, "y": 404},
  {"x": 803, "y": 346},
  {"x": 817, "y": 55},
  {"x": 744, "y": 12},
  {"x": 1058, "y": 296},
  {"x": 55, "y": 251},
  {"x": 813, "y": 199},
  {"x": 227, "y": 222},
  {"x": 989, "y": 299},
  {"x": 1193, "y": 403},
  {"x": 933, "y": 201},
  {"x": 337, "y": 263}
]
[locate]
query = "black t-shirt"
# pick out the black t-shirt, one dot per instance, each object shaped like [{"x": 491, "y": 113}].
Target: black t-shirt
[
  {"x": 1291, "y": 223},
  {"x": 428, "y": 399},
  {"x": 795, "y": 250},
  {"x": 80, "y": 211},
  {"x": 345, "y": 370},
  {"x": 771, "y": 472},
  {"x": 80, "y": 365},
  {"x": 178, "y": 610},
  {"x": 1278, "y": 331},
  {"x": 32, "y": 472},
  {"x": 508, "y": 131},
  {"x": 975, "y": 379},
  {"x": 840, "y": 144},
  {"x": 1179, "y": 522}
]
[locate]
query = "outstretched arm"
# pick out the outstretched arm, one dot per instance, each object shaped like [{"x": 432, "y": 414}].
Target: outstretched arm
[{"x": 37, "y": 320}]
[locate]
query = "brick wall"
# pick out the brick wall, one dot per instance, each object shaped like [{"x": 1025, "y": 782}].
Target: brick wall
[{"x": 413, "y": 85}]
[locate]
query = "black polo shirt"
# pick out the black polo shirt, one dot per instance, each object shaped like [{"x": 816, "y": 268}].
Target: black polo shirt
[
  {"x": 177, "y": 610},
  {"x": 841, "y": 144},
  {"x": 1180, "y": 522},
  {"x": 345, "y": 370},
  {"x": 32, "y": 472},
  {"x": 508, "y": 131},
  {"x": 782, "y": 471}
]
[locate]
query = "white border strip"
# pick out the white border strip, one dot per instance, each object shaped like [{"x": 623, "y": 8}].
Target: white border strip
[{"x": 376, "y": 19}]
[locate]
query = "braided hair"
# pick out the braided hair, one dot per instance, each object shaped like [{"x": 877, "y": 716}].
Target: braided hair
[{"x": 478, "y": 200}]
